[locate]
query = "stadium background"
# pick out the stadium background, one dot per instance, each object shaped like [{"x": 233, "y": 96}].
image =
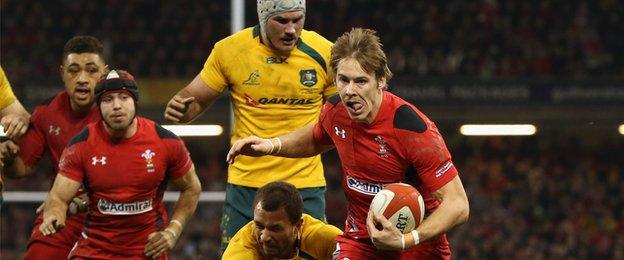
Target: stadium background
[{"x": 557, "y": 64}]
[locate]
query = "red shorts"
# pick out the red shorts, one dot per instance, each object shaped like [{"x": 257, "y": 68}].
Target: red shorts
[
  {"x": 86, "y": 250},
  {"x": 349, "y": 248},
  {"x": 58, "y": 245}
]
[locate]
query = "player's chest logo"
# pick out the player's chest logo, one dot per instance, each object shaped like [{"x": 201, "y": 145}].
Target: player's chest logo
[
  {"x": 54, "y": 130},
  {"x": 383, "y": 146},
  {"x": 308, "y": 77},
  {"x": 340, "y": 132},
  {"x": 149, "y": 163},
  {"x": 253, "y": 79},
  {"x": 98, "y": 160}
]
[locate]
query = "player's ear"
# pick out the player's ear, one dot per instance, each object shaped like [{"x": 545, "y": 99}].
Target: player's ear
[{"x": 382, "y": 83}]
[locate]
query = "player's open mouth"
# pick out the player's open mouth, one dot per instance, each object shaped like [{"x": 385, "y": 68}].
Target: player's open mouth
[
  {"x": 354, "y": 107},
  {"x": 288, "y": 41},
  {"x": 82, "y": 92}
]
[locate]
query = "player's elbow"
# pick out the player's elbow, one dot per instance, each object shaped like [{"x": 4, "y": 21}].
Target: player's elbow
[
  {"x": 463, "y": 211},
  {"x": 17, "y": 171}
]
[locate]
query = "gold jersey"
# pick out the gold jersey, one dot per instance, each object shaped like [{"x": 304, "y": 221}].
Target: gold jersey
[
  {"x": 6, "y": 93},
  {"x": 271, "y": 96},
  {"x": 317, "y": 240}
]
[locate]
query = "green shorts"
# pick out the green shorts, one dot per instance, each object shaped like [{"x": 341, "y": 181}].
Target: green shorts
[{"x": 237, "y": 210}]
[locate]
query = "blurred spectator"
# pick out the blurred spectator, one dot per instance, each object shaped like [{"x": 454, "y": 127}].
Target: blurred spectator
[{"x": 484, "y": 38}]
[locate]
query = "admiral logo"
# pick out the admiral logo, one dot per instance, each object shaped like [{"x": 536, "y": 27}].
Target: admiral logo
[
  {"x": 118, "y": 208},
  {"x": 443, "y": 169},
  {"x": 287, "y": 101},
  {"x": 364, "y": 187}
]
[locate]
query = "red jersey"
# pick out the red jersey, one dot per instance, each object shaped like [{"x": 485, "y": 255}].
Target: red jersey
[
  {"x": 125, "y": 180},
  {"x": 52, "y": 125},
  {"x": 400, "y": 145}
]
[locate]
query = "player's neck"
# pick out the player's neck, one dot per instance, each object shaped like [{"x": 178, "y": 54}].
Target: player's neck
[
  {"x": 80, "y": 110},
  {"x": 376, "y": 106}
]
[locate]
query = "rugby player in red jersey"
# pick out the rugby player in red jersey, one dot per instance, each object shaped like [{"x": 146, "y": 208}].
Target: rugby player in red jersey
[
  {"x": 380, "y": 139},
  {"x": 124, "y": 163},
  {"x": 53, "y": 124}
]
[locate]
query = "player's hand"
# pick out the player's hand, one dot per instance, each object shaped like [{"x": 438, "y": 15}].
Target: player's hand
[
  {"x": 159, "y": 242},
  {"x": 8, "y": 150},
  {"x": 14, "y": 125},
  {"x": 52, "y": 223},
  {"x": 177, "y": 107},
  {"x": 388, "y": 238},
  {"x": 251, "y": 145},
  {"x": 78, "y": 204}
]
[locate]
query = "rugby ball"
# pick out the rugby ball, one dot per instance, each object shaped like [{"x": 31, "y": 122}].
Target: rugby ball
[{"x": 400, "y": 203}]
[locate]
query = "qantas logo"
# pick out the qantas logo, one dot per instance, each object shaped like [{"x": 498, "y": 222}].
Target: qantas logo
[
  {"x": 95, "y": 160},
  {"x": 287, "y": 101}
]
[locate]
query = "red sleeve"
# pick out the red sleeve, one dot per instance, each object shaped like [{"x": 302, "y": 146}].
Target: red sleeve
[
  {"x": 428, "y": 154},
  {"x": 33, "y": 144},
  {"x": 318, "y": 133},
  {"x": 70, "y": 164},
  {"x": 179, "y": 158}
]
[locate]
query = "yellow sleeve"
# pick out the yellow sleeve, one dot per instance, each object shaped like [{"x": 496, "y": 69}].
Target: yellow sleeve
[
  {"x": 242, "y": 245},
  {"x": 320, "y": 238},
  {"x": 6, "y": 93},
  {"x": 213, "y": 72}
]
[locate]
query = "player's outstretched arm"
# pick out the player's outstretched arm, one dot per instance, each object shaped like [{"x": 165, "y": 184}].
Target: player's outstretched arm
[
  {"x": 453, "y": 210},
  {"x": 14, "y": 119},
  {"x": 190, "y": 102},
  {"x": 55, "y": 209},
  {"x": 297, "y": 144},
  {"x": 190, "y": 188}
]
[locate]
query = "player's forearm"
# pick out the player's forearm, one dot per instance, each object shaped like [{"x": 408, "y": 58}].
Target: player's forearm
[
  {"x": 54, "y": 205},
  {"x": 18, "y": 169},
  {"x": 194, "y": 109},
  {"x": 185, "y": 207},
  {"x": 15, "y": 108},
  {"x": 300, "y": 143},
  {"x": 450, "y": 213}
]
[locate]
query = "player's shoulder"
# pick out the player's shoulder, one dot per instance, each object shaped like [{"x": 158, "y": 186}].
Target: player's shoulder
[
  {"x": 55, "y": 100},
  {"x": 161, "y": 132},
  {"x": 51, "y": 107},
  {"x": 314, "y": 39},
  {"x": 407, "y": 116},
  {"x": 81, "y": 137},
  {"x": 237, "y": 41}
]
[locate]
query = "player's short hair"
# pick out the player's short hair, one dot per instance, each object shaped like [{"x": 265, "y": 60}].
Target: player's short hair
[
  {"x": 83, "y": 44},
  {"x": 279, "y": 194},
  {"x": 364, "y": 46}
]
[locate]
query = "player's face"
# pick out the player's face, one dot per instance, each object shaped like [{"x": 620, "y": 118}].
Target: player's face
[
  {"x": 274, "y": 232},
  {"x": 283, "y": 31},
  {"x": 360, "y": 91},
  {"x": 80, "y": 73},
  {"x": 117, "y": 108}
]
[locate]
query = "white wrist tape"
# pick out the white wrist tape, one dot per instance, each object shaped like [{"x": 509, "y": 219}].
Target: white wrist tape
[
  {"x": 402, "y": 241},
  {"x": 416, "y": 237},
  {"x": 175, "y": 221},
  {"x": 272, "y": 146},
  {"x": 173, "y": 233},
  {"x": 279, "y": 145}
]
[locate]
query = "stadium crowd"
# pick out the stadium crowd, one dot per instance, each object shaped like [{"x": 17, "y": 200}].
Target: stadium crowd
[
  {"x": 530, "y": 200},
  {"x": 486, "y": 38}
]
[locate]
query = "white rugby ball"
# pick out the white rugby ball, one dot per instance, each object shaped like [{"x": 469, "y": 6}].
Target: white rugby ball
[{"x": 402, "y": 204}]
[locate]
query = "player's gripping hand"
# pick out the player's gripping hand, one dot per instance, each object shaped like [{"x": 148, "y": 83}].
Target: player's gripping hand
[
  {"x": 253, "y": 146},
  {"x": 8, "y": 150},
  {"x": 159, "y": 242},
  {"x": 389, "y": 237},
  {"x": 14, "y": 125},
  {"x": 52, "y": 223},
  {"x": 177, "y": 107}
]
